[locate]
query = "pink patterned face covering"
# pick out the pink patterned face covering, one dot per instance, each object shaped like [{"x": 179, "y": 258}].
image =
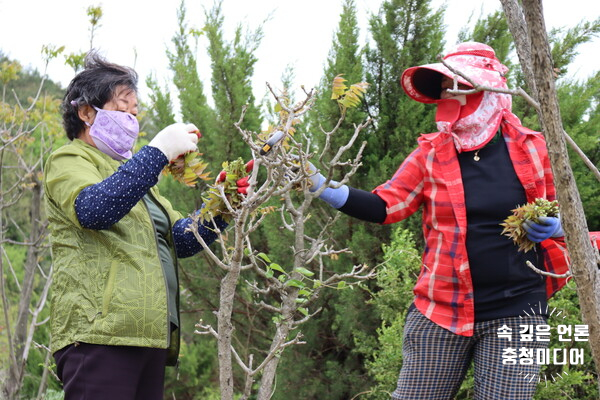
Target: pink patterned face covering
[
  {"x": 114, "y": 133},
  {"x": 473, "y": 125}
]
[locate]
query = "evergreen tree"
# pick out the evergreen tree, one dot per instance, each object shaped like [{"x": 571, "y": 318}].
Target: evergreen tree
[
  {"x": 406, "y": 33},
  {"x": 580, "y": 108},
  {"x": 232, "y": 66},
  {"x": 402, "y": 33},
  {"x": 395, "y": 282},
  {"x": 493, "y": 31},
  {"x": 578, "y": 100},
  {"x": 232, "y": 69},
  {"x": 329, "y": 367},
  {"x": 344, "y": 58},
  {"x": 193, "y": 102},
  {"x": 161, "y": 111}
]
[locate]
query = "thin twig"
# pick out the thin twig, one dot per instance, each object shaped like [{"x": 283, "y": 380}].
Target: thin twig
[{"x": 546, "y": 273}]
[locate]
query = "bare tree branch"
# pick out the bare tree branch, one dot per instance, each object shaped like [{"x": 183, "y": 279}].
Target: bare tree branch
[{"x": 282, "y": 291}]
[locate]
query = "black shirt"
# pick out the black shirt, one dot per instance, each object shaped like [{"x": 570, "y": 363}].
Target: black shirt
[{"x": 503, "y": 284}]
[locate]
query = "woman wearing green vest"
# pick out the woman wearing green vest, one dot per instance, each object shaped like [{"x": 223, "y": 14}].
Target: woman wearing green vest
[{"x": 115, "y": 242}]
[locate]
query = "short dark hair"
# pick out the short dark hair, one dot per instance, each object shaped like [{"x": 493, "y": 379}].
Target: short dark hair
[{"x": 94, "y": 86}]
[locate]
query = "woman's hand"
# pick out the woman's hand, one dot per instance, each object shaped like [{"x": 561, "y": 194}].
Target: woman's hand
[
  {"x": 335, "y": 197},
  {"x": 546, "y": 228},
  {"x": 176, "y": 139}
]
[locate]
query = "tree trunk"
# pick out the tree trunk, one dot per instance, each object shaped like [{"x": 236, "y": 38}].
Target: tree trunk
[
  {"x": 584, "y": 261},
  {"x": 518, "y": 28},
  {"x": 225, "y": 330},
  {"x": 265, "y": 392},
  {"x": 288, "y": 306},
  {"x": 20, "y": 337}
]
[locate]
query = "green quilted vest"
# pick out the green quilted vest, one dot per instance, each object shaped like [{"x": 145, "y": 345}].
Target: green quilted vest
[{"x": 108, "y": 286}]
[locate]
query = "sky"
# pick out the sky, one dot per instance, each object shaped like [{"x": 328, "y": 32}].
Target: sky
[{"x": 296, "y": 33}]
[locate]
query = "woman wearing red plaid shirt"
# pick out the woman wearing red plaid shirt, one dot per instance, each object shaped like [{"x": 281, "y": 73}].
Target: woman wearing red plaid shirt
[{"x": 468, "y": 176}]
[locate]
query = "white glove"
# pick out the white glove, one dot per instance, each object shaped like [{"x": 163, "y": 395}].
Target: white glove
[{"x": 176, "y": 139}]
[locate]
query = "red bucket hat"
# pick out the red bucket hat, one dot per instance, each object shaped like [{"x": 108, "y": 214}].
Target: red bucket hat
[{"x": 476, "y": 60}]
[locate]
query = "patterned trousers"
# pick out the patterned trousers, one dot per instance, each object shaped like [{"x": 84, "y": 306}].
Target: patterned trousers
[{"x": 435, "y": 360}]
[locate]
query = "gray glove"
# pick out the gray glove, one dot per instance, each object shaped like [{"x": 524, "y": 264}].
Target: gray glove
[{"x": 335, "y": 197}]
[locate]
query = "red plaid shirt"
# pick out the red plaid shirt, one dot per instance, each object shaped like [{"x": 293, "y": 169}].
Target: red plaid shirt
[{"x": 430, "y": 177}]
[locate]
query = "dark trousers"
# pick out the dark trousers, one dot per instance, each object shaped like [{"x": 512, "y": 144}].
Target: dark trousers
[{"x": 90, "y": 372}]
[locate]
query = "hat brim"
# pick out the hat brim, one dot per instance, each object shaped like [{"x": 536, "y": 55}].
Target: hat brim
[{"x": 423, "y": 83}]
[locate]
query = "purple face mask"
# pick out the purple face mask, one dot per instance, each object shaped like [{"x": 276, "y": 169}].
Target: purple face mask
[{"x": 114, "y": 133}]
